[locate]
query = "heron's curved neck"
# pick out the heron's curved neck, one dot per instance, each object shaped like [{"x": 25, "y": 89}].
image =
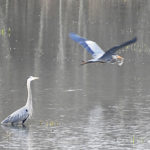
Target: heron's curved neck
[{"x": 29, "y": 99}]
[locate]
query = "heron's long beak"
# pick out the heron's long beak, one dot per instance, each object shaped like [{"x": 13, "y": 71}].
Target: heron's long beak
[{"x": 34, "y": 78}]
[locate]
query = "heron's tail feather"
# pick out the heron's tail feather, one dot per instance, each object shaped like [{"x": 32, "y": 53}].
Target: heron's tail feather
[{"x": 6, "y": 120}]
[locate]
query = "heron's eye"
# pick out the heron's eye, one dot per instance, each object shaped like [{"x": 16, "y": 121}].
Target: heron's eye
[{"x": 26, "y": 110}]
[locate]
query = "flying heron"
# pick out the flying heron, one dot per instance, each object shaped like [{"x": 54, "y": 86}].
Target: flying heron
[
  {"x": 25, "y": 112},
  {"x": 97, "y": 53}
]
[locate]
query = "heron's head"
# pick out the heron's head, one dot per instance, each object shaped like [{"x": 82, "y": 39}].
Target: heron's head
[
  {"x": 31, "y": 78},
  {"x": 120, "y": 60},
  {"x": 117, "y": 57}
]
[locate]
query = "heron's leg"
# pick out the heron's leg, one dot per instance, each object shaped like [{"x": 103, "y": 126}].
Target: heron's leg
[
  {"x": 84, "y": 62},
  {"x": 23, "y": 126},
  {"x": 102, "y": 62},
  {"x": 24, "y": 121},
  {"x": 12, "y": 124}
]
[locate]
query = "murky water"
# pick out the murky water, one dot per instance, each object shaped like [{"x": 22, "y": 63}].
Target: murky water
[{"x": 91, "y": 107}]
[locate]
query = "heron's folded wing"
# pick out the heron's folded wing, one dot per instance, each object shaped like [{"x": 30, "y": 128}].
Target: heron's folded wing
[
  {"x": 114, "y": 49},
  {"x": 11, "y": 118},
  {"x": 16, "y": 116},
  {"x": 90, "y": 46}
]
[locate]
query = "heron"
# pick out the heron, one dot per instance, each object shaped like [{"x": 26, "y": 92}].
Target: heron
[
  {"x": 25, "y": 112},
  {"x": 97, "y": 53}
]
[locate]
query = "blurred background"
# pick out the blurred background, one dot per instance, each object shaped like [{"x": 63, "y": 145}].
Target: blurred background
[{"x": 95, "y": 106}]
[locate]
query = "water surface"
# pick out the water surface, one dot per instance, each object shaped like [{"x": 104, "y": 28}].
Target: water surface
[{"x": 96, "y": 106}]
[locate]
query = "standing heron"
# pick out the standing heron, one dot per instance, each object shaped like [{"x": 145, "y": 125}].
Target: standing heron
[
  {"x": 97, "y": 53},
  {"x": 24, "y": 112}
]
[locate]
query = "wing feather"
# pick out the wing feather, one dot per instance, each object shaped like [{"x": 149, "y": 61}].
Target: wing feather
[
  {"x": 17, "y": 116},
  {"x": 116, "y": 48},
  {"x": 90, "y": 46}
]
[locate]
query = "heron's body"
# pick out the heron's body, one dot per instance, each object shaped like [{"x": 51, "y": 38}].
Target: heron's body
[
  {"x": 19, "y": 115},
  {"x": 25, "y": 112},
  {"x": 97, "y": 53}
]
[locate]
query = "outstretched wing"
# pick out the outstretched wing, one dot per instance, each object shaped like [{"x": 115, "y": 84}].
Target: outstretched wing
[
  {"x": 90, "y": 46},
  {"x": 114, "y": 49},
  {"x": 19, "y": 115}
]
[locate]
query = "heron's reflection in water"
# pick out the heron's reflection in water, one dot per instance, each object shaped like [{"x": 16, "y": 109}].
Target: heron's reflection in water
[{"x": 17, "y": 137}]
